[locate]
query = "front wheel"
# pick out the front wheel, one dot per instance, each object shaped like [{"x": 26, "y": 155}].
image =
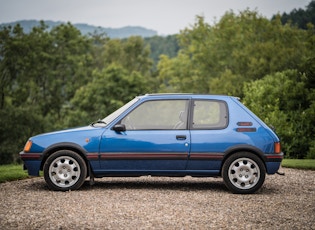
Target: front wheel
[
  {"x": 65, "y": 170},
  {"x": 243, "y": 173}
]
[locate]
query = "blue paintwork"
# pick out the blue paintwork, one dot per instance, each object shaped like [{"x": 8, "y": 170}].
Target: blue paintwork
[
  {"x": 159, "y": 152},
  {"x": 32, "y": 167},
  {"x": 162, "y": 142},
  {"x": 272, "y": 167}
]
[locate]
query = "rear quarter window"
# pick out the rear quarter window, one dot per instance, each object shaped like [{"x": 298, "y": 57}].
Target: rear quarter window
[{"x": 209, "y": 114}]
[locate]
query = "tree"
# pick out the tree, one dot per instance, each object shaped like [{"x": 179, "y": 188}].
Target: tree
[
  {"x": 16, "y": 126},
  {"x": 12, "y": 51},
  {"x": 284, "y": 101},
  {"x": 45, "y": 68},
  {"x": 110, "y": 89},
  {"x": 300, "y": 17},
  {"x": 159, "y": 45},
  {"x": 237, "y": 49},
  {"x": 40, "y": 72},
  {"x": 17, "y": 123},
  {"x": 132, "y": 54}
]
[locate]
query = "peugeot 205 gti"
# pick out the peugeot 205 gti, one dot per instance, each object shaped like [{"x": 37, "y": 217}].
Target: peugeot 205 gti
[{"x": 161, "y": 135}]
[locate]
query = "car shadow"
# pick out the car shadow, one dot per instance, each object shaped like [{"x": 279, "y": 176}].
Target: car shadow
[
  {"x": 120, "y": 183},
  {"x": 182, "y": 185}
]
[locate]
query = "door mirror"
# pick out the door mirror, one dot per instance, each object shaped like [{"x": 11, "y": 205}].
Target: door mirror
[{"x": 119, "y": 128}]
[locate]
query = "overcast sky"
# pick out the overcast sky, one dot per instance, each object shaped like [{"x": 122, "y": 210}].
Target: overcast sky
[{"x": 164, "y": 16}]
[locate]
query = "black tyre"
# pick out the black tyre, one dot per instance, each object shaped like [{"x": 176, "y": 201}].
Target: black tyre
[
  {"x": 243, "y": 173},
  {"x": 65, "y": 170}
]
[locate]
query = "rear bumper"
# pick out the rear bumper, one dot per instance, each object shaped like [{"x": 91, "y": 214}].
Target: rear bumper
[{"x": 273, "y": 162}]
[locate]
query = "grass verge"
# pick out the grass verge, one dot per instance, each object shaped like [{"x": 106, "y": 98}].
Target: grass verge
[
  {"x": 299, "y": 164},
  {"x": 12, "y": 172}
]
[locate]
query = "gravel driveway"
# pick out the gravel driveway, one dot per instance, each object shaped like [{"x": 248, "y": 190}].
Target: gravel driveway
[{"x": 161, "y": 203}]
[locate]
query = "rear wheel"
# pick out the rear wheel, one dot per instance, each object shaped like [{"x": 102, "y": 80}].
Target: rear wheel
[
  {"x": 243, "y": 173},
  {"x": 65, "y": 170}
]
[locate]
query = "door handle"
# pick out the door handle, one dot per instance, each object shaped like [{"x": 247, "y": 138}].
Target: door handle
[{"x": 181, "y": 137}]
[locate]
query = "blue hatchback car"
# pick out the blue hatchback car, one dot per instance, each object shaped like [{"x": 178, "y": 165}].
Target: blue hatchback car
[{"x": 161, "y": 135}]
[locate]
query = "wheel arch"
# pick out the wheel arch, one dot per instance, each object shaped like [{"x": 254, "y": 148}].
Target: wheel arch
[
  {"x": 64, "y": 146},
  {"x": 243, "y": 148}
]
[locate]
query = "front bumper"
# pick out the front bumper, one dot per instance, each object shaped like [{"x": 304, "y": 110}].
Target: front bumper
[{"x": 32, "y": 162}]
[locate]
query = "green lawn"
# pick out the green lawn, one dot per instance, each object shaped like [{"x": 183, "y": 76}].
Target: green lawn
[
  {"x": 16, "y": 172},
  {"x": 12, "y": 172},
  {"x": 299, "y": 164}
]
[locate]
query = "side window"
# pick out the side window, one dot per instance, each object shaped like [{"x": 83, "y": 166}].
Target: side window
[
  {"x": 158, "y": 115},
  {"x": 209, "y": 114}
]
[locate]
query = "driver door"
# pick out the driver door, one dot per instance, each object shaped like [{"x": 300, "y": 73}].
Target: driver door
[{"x": 155, "y": 138}]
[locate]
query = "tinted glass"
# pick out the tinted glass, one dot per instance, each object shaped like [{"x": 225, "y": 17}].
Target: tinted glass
[
  {"x": 209, "y": 114},
  {"x": 157, "y": 115}
]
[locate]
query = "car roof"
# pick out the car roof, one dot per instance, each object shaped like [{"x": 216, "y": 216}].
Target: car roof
[{"x": 185, "y": 95}]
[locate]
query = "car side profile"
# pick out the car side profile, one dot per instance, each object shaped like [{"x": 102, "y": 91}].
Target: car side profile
[{"x": 161, "y": 135}]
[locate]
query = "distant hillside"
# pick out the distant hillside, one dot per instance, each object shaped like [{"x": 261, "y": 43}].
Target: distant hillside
[{"x": 85, "y": 29}]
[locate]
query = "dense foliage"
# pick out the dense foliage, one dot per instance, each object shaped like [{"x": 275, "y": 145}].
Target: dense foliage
[
  {"x": 300, "y": 17},
  {"x": 53, "y": 79},
  {"x": 162, "y": 45}
]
